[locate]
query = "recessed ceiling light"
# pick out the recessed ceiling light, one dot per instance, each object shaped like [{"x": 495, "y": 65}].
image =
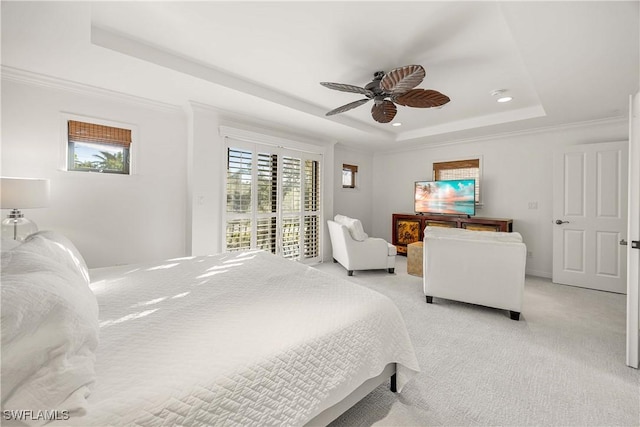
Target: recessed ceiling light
[
  {"x": 396, "y": 124},
  {"x": 502, "y": 95}
]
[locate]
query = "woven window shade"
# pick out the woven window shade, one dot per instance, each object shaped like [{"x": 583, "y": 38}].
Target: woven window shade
[
  {"x": 90, "y": 132},
  {"x": 352, "y": 168},
  {"x": 449, "y": 169},
  {"x": 459, "y": 169}
]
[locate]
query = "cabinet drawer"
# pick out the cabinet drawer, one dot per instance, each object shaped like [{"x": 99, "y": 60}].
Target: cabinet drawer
[
  {"x": 448, "y": 224},
  {"x": 481, "y": 227}
]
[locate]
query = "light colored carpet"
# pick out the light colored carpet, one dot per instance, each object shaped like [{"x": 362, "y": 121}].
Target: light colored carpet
[{"x": 562, "y": 364}]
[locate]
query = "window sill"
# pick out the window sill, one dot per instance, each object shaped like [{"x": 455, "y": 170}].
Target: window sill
[{"x": 93, "y": 174}]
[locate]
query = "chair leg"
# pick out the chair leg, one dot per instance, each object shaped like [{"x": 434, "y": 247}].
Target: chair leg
[
  {"x": 391, "y": 270},
  {"x": 514, "y": 315},
  {"x": 350, "y": 272},
  {"x": 429, "y": 299}
]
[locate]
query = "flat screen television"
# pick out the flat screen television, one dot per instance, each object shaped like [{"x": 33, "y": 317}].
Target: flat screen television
[{"x": 452, "y": 197}]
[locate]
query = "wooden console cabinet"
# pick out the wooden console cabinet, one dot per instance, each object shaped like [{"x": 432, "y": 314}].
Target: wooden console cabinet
[{"x": 409, "y": 228}]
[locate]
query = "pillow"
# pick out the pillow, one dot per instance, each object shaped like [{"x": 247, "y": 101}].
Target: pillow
[
  {"x": 59, "y": 248},
  {"x": 340, "y": 219},
  {"x": 49, "y": 321},
  {"x": 354, "y": 226}
]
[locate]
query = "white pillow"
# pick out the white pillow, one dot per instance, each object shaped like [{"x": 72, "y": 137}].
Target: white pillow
[
  {"x": 354, "y": 226},
  {"x": 59, "y": 248},
  {"x": 49, "y": 334},
  {"x": 341, "y": 219}
]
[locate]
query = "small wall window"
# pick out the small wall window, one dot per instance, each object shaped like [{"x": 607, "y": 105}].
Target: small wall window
[
  {"x": 459, "y": 169},
  {"x": 349, "y": 173},
  {"x": 98, "y": 148}
]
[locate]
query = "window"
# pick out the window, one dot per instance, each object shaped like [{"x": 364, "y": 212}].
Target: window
[
  {"x": 349, "y": 176},
  {"x": 98, "y": 148},
  {"x": 459, "y": 169},
  {"x": 273, "y": 201}
]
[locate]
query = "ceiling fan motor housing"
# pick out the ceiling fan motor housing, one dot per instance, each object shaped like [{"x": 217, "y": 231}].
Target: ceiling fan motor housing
[{"x": 374, "y": 85}]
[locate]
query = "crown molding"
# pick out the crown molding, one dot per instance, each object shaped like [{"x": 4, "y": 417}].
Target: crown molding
[
  {"x": 502, "y": 135},
  {"x": 18, "y": 75}
]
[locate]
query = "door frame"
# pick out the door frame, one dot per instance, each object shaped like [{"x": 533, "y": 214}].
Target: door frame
[{"x": 633, "y": 233}]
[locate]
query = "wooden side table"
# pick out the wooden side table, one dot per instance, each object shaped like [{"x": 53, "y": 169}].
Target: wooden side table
[{"x": 414, "y": 259}]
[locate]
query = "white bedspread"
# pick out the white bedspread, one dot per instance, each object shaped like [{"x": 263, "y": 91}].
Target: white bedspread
[{"x": 235, "y": 339}]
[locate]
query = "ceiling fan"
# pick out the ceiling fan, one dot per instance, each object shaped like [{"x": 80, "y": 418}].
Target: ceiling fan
[{"x": 387, "y": 89}]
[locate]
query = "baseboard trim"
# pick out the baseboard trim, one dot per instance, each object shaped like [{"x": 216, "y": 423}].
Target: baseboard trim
[{"x": 538, "y": 273}]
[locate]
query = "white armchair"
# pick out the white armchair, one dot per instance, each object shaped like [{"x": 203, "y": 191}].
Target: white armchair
[
  {"x": 362, "y": 252},
  {"x": 477, "y": 267}
]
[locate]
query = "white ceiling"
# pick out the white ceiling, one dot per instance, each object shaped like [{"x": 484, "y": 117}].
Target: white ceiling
[{"x": 563, "y": 62}]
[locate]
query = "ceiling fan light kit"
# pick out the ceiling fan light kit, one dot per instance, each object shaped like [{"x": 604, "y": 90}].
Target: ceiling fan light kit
[{"x": 388, "y": 89}]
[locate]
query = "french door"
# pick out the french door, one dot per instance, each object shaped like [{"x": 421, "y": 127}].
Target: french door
[{"x": 273, "y": 200}]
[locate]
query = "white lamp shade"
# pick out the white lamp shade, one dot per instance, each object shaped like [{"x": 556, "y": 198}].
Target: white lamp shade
[{"x": 24, "y": 193}]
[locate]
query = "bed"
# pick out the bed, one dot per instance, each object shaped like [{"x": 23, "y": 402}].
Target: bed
[{"x": 243, "y": 338}]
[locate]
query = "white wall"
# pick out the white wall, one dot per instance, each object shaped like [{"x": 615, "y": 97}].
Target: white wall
[
  {"x": 112, "y": 219},
  {"x": 354, "y": 202},
  {"x": 172, "y": 205},
  {"x": 516, "y": 170},
  {"x": 205, "y": 172}
]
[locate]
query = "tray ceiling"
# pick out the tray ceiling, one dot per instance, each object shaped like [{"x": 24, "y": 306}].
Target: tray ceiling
[{"x": 563, "y": 62}]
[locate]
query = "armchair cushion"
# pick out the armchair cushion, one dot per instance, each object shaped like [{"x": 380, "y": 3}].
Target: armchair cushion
[{"x": 354, "y": 226}]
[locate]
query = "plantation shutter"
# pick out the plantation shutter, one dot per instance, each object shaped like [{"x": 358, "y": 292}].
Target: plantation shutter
[
  {"x": 100, "y": 134},
  {"x": 273, "y": 200},
  {"x": 291, "y": 203},
  {"x": 311, "y": 209},
  {"x": 267, "y": 194},
  {"x": 239, "y": 185}
]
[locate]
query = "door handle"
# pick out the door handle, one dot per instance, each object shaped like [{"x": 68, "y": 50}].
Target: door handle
[
  {"x": 635, "y": 244},
  {"x": 560, "y": 222}
]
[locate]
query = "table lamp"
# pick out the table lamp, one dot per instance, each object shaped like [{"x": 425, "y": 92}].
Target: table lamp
[{"x": 21, "y": 193}]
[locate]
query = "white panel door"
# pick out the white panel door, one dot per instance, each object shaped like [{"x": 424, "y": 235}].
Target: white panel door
[
  {"x": 633, "y": 253},
  {"x": 590, "y": 216}
]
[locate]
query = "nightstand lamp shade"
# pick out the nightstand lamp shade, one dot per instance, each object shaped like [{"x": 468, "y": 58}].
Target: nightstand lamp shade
[{"x": 21, "y": 193}]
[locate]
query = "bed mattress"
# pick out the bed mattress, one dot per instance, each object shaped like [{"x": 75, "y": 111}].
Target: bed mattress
[{"x": 241, "y": 338}]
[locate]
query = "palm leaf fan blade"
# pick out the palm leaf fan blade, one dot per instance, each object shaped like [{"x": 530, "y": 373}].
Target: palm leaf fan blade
[
  {"x": 347, "y": 107},
  {"x": 342, "y": 87},
  {"x": 402, "y": 79},
  {"x": 421, "y": 98},
  {"x": 384, "y": 111}
]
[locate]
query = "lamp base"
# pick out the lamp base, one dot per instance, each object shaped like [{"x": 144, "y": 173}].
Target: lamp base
[{"x": 17, "y": 228}]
